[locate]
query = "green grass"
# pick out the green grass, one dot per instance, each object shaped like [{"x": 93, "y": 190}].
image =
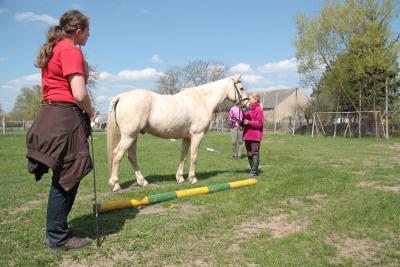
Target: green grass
[{"x": 308, "y": 194}]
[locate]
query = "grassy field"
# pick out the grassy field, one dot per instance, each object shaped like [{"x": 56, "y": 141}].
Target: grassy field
[{"x": 318, "y": 202}]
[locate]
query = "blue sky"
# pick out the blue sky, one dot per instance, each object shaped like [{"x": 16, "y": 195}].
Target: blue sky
[{"x": 132, "y": 42}]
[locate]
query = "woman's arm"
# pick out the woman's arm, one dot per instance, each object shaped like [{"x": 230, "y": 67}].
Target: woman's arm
[
  {"x": 78, "y": 86},
  {"x": 258, "y": 121}
]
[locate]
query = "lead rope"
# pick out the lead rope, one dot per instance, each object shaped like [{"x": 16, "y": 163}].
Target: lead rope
[{"x": 96, "y": 211}]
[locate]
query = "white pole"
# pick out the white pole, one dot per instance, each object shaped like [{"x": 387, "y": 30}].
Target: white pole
[
  {"x": 276, "y": 103},
  {"x": 313, "y": 123},
  {"x": 387, "y": 111},
  {"x": 295, "y": 114}
]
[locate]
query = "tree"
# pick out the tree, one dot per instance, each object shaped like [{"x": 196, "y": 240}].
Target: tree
[
  {"x": 27, "y": 104},
  {"x": 348, "y": 50},
  {"x": 91, "y": 83},
  {"x": 195, "y": 73},
  {"x": 171, "y": 82}
]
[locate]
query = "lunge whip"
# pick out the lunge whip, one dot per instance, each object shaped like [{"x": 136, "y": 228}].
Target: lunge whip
[{"x": 95, "y": 194}]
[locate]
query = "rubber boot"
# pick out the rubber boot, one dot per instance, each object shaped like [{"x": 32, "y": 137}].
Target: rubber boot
[
  {"x": 254, "y": 165},
  {"x": 250, "y": 158}
]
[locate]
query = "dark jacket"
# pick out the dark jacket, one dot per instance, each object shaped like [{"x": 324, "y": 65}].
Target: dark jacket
[{"x": 58, "y": 140}]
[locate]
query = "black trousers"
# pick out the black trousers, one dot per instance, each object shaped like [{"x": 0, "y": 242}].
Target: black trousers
[{"x": 58, "y": 207}]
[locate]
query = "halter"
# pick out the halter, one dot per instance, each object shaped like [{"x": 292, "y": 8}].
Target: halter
[
  {"x": 238, "y": 97},
  {"x": 238, "y": 102}
]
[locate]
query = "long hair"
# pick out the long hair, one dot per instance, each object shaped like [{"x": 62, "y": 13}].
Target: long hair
[{"x": 70, "y": 21}]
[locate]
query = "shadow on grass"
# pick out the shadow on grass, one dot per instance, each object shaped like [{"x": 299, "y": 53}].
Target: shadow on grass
[
  {"x": 201, "y": 176},
  {"x": 109, "y": 223}
]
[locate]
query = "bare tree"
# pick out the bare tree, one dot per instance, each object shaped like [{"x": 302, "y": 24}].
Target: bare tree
[
  {"x": 171, "y": 82},
  {"x": 201, "y": 72},
  {"x": 195, "y": 73}
]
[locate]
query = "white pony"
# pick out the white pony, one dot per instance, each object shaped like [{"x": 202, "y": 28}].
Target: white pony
[{"x": 185, "y": 115}]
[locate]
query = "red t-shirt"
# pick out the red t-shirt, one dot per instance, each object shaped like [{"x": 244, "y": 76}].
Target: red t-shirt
[{"x": 66, "y": 59}]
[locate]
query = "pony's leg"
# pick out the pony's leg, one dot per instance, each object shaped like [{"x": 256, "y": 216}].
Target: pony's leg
[
  {"x": 118, "y": 153},
  {"x": 133, "y": 159},
  {"x": 184, "y": 152},
  {"x": 194, "y": 149}
]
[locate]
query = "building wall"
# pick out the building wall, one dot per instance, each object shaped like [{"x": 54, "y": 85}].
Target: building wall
[{"x": 286, "y": 107}]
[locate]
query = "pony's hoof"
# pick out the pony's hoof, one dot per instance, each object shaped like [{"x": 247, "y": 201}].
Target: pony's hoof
[
  {"x": 180, "y": 180},
  {"x": 145, "y": 183},
  {"x": 116, "y": 188},
  {"x": 193, "y": 180}
]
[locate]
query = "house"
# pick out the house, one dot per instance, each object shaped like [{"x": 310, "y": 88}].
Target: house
[{"x": 281, "y": 104}]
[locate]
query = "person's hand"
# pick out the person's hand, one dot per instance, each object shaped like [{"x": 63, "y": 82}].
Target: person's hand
[{"x": 246, "y": 122}]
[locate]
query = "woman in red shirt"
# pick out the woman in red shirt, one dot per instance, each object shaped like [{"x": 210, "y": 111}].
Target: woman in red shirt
[{"x": 58, "y": 136}]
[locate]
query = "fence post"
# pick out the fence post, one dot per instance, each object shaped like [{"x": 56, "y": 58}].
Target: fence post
[{"x": 3, "y": 122}]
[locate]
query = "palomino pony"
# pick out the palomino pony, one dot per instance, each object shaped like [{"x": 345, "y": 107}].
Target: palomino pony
[{"x": 185, "y": 115}]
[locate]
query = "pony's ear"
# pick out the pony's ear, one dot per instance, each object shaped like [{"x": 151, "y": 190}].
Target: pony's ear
[{"x": 237, "y": 78}]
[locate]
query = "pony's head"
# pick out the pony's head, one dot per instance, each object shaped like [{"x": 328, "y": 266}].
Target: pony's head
[{"x": 237, "y": 93}]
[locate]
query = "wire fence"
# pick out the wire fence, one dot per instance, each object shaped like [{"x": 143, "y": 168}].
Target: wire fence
[{"x": 330, "y": 123}]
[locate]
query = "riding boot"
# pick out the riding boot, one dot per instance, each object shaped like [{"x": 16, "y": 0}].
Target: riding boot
[{"x": 254, "y": 165}]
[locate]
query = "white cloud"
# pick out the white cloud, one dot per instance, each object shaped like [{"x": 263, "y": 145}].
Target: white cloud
[
  {"x": 101, "y": 99},
  {"x": 241, "y": 68},
  {"x": 27, "y": 81},
  {"x": 30, "y": 16},
  {"x": 3, "y": 10},
  {"x": 131, "y": 75},
  {"x": 284, "y": 66},
  {"x": 251, "y": 78},
  {"x": 156, "y": 59},
  {"x": 147, "y": 73}
]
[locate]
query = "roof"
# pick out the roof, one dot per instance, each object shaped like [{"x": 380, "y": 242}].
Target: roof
[{"x": 274, "y": 97}]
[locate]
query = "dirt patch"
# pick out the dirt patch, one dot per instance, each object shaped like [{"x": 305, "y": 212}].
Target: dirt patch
[
  {"x": 29, "y": 206},
  {"x": 190, "y": 209},
  {"x": 395, "y": 146},
  {"x": 152, "y": 209},
  {"x": 360, "y": 250},
  {"x": 358, "y": 173},
  {"x": 382, "y": 162},
  {"x": 317, "y": 197},
  {"x": 384, "y": 188},
  {"x": 158, "y": 209},
  {"x": 297, "y": 204},
  {"x": 278, "y": 226},
  {"x": 69, "y": 262}
]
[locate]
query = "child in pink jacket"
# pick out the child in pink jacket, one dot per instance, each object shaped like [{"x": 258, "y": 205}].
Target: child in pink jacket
[{"x": 253, "y": 121}]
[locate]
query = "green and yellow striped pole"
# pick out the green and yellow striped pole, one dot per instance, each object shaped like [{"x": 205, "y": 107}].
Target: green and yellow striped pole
[{"x": 157, "y": 198}]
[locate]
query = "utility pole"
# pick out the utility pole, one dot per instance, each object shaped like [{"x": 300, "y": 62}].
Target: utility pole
[{"x": 295, "y": 114}]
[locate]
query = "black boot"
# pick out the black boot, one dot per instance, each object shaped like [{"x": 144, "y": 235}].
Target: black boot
[
  {"x": 250, "y": 158},
  {"x": 254, "y": 165}
]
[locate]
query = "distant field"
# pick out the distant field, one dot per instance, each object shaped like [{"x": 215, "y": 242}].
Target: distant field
[{"x": 318, "y": 202}]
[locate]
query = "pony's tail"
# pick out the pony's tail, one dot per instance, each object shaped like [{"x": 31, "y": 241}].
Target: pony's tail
[{"x": 112, "y": 135}]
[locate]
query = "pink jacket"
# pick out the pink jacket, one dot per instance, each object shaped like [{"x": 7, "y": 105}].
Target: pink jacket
[
  {"x": 254, "y": 130},
  {"x": 235, "y": 116}
]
